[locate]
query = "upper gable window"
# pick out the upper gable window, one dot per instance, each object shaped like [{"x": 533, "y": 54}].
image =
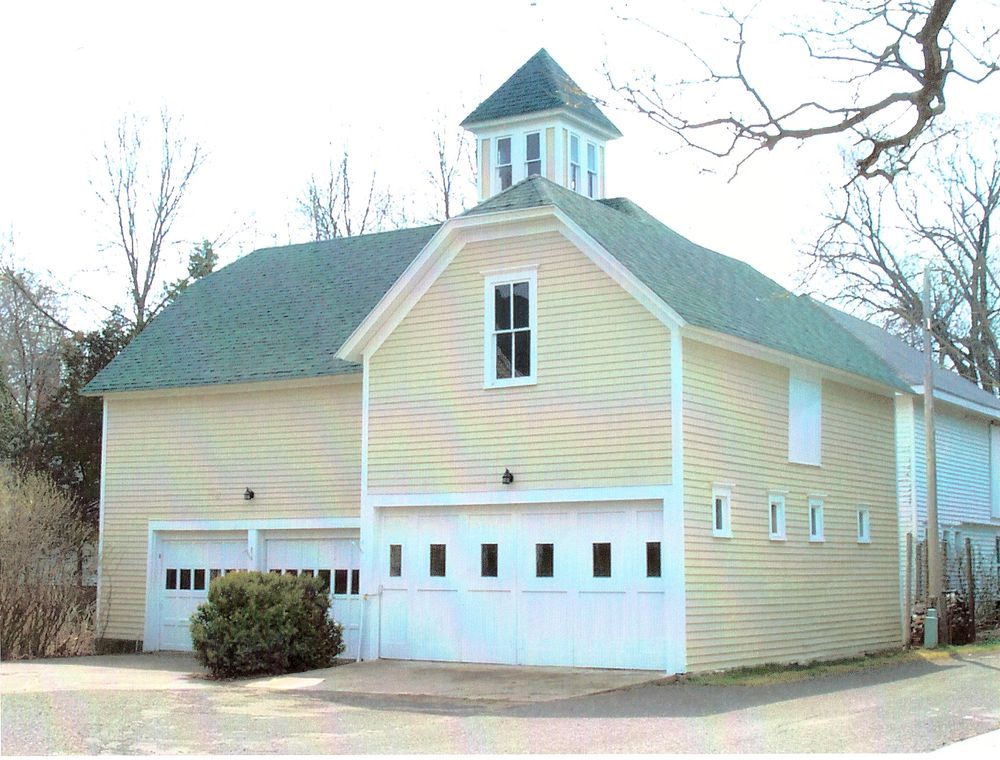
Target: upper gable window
[
  {"x": 591, "y": 170},
  {"x": 509, "y": 356},
  {"x": 533, "y": 154},
  {"x": 504, "y": 167},
  {"x": 574, "y": 163},
  {"x": 805, "y": 413}
]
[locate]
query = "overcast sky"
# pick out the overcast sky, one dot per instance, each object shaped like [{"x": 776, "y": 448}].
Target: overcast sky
[{"x": 273, "y": 91}]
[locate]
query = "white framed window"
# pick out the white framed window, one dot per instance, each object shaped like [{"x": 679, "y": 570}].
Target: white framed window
[
  {"x": 816, "y": 519},
  {"x": 722, "y": 497},
  {"x": 510, "y": 329},
  {"x": 995, "y": 471},
  {"x": 591, "y": 170},
  {"x": 504, "y": 165},
  {"x": 574, "y": 163},
  {"x": 805, "y": 416},
  {"x": 776, "y": 516},
  {"x": 864, "y": 525},
  {"x": 532, "y": 154}
]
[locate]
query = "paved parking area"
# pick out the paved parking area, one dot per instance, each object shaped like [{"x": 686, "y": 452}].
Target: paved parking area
[{"x": 154, "y": 704}]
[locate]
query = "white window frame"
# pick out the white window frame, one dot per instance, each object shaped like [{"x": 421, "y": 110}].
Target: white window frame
[
  {"x": 496, "y": 161},
  {"x": 995, "y": 472},
  {"x": 575, "y": 168},
  {"x": 805, "y": 418},
  {"x": 593, "y": 191},
  {"x": 864, "y": 524},
  {"x": 541, "y": 153},
  {"x": 725, "y": 493},
  {"x": 491, "y": 280},
  {"x": 776, "y": 527},
  {"x": 816, "y": 505}
]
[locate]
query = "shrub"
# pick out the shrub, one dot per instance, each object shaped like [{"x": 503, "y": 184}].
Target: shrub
[
  {"x": 263, "y": 623},
  {"x": 44, "y": 610}
]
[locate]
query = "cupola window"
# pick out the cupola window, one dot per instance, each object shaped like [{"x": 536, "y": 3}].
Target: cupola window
[
  {"x": 533, "y": 153},
  {"x": 574, "y": 163},
  {"x": 504, "y": 168}
]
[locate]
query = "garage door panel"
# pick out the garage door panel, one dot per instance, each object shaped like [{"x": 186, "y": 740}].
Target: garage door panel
[
  {"x": 543, "y": 621},
  {"x": 488, "y": 633},
  {"x": 602, "y": 622},
  {"x": 395, "y": 629},
  {"x": 436, "y": 624}
]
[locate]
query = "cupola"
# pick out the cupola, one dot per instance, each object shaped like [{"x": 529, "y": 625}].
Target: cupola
[{"x": 540, "y": 122}]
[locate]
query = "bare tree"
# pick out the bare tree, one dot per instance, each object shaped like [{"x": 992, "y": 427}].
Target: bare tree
[
  {"x": 877, "y": 245},
  {"x": 885, "y": 66},
  {"x": 143, "y": 198},
  {"x": 332, "y": 209},
  {"x": 453, "y": 172}
]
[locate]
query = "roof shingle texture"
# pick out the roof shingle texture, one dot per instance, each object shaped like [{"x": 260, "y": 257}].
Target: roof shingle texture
[
  {"x": 539, "y": 85},
  {"x": 277, "y": 313},
  {"x": 908, "y": 362}
]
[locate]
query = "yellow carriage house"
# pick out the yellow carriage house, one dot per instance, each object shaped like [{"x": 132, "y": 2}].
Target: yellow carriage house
[{"x": 550, "y": 431}]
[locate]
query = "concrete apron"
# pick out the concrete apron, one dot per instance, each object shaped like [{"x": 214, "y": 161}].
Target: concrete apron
[{"x": 450, "y": 680}]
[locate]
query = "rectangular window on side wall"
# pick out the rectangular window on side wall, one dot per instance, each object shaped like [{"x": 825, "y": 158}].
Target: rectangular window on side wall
[
  {"x": 510, "y": 308},
  {"x": 776, "y": 516},
  {"x": 574, "y": 164},
  {"x": 864, "y": 525},
  {"x": 722, "y": 511},
  {"x": 504, "y": 167},
  {"x": 533, "y": 154},
  {"x": 816, "y": 520},
  {"x": 592, "y": 190},
  {"x": 805, "y": 415}
]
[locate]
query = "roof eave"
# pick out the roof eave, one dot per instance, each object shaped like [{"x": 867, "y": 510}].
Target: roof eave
[{"x": 602, "y": 131}]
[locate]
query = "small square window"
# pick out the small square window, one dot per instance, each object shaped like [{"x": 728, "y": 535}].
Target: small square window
[
  {"x": 171, "y": 578},
  {"x": 214, "y": 573},
  {"x": 308, "y": 573},
  {"x": 544, "y": 560},
  {"x": 721, "y": 512},
  {"x": 185, "y": 583},
  {"x": 438, "y": 568},
  {"x": 488, "y": 560},
  {"x": 199, "y": 579},
  {"x": 395, "y": 560},
  {"x": 230, "y": 570},
  {"x": 776, "y": 517},
  {"x": 864, "y": 526},
  {"x": 816, "y": 520},
  {"x": 339, "y": 581},
  {"x": 291, "y": 572},
  {"x": 652, "y": 559},
  {"x": 324, "y": 576},
  {"x": 275, "y": 571},
  {"x": 355, "y": 581},
  {"x": 602, "y": 560}
]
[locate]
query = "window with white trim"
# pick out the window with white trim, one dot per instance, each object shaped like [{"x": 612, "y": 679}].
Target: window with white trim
[
  {"x": 776, "y": 516},
  {"x": 591, "y": 170},
  {"x": 864, "y": 525},
  {"x": 995, "y": 471},
  {"x": 509, "y": 357},
  {"x": 574, "y": 163},
  {"x": 816, "y": 520},
  {"x": 504, "y": 166},
  {"x": 722, "y": 497},
  {"x": 532, "y": 154},
  {"x": 805, "y": 414}
]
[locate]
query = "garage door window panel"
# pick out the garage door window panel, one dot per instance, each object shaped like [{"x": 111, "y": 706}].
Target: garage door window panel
[
  {"x": 544, "y": 560},
  {"x": 395, "y": 560},
  {"x": 653, "y": 560},
  {"x": 488, "y": 560},
  {"x": 437, "y": 561},
  {"x": 602, "y": 560}
]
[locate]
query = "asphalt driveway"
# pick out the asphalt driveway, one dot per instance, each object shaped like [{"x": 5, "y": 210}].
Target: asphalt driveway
[{"x": 160, "y": 704}]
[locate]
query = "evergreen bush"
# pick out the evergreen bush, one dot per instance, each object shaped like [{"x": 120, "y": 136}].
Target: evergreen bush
[{"x": 265, "y": 624}]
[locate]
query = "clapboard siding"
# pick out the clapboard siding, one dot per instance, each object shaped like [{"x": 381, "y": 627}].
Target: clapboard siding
[
  {"x": 753, "y": 600},
  {"x": 189, "y": 456},
  {"x": 598, "y": 415}
]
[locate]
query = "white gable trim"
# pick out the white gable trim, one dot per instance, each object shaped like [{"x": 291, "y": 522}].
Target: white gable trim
[
  {"x": 951, "y": 398},
  {"x": 454, "y": 235}
]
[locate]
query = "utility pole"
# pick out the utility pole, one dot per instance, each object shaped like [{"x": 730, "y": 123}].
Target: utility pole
[{"x": 930, "y": 449}]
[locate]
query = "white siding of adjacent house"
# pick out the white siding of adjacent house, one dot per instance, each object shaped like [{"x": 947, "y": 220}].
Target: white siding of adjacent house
[{"x": 189, "y": 455}]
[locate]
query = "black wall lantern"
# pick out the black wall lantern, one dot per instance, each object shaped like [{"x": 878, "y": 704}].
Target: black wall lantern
[
  {"x": 507, "y": 478},
  {"x": 248, "y": 494}
]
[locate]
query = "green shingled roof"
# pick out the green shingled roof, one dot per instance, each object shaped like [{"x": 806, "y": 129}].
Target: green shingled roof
[
  {"x": 282, "y": 313},
  {"x": 277, "y": 313},
  {"x": 706, "y": 288},
  {"x": 539, "y": 85}
]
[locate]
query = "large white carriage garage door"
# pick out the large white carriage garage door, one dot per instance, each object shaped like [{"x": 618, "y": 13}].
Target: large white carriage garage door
[
  {"x": 187, "y": 566},
  {"x": 532, "y": 585}
]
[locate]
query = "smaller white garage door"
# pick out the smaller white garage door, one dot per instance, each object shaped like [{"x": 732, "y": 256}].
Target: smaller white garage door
[
  {"x": 187, "y": 566},
  {"x": 336, "y": 561}
]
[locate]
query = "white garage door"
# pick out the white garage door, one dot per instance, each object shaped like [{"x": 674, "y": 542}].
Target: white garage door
[
  {"x": 334, "y": 560},
  {"x": 187, "y": 566},
  {"x": 554, "y": 585}
]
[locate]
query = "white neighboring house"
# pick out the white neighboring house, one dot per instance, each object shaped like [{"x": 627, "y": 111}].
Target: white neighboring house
[{"x": 967, "y": 427}]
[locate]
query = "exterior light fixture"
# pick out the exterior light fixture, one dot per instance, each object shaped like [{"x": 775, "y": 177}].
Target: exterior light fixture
[
  {"x": 248, "y": 494},
  {"x": 507, "y": 478}
]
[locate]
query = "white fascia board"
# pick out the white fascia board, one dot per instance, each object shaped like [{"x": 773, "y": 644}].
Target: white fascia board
[
  {"x": 504, "y": 124},
  {"x": 961, "y": 403},
  {"x": 776, "y": 356},
  {"x": 280, "y": 523},
  {"x": 216, "y": 389},
  {"x": 439, "y": 252},
  {"x": 514, "y": 496}
]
